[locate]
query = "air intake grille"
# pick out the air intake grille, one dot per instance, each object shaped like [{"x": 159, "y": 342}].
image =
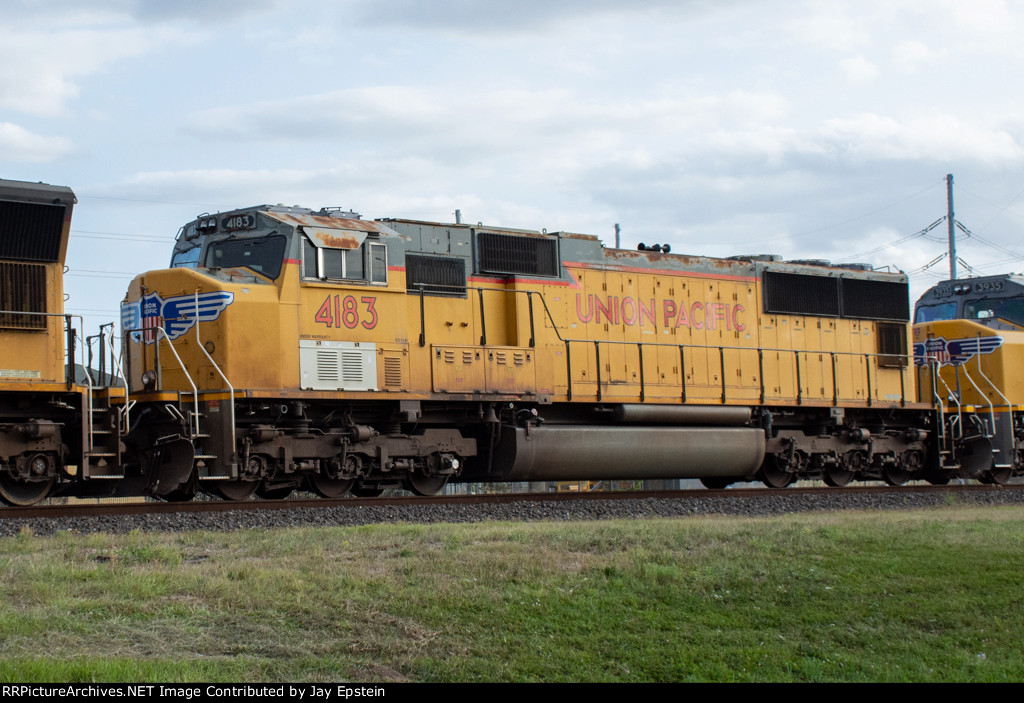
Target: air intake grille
[
  {"x": 876, "y": 300},
  {"x": 22, "y": 289},
  {"x": 798, "y": 294},
  {"x": 30, "y": 231},
  {"x": 436, "y": 275},
  {"x": 830, "y": 296},
  {"x": 505, "y": 253}
]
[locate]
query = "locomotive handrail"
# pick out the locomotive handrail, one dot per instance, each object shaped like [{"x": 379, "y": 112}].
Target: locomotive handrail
[
  {"x": 992, "y": 414},
  {"x": 906, "y": 359},
  {"x": 162, "y": 334},
  {"x": 420, "y": 290},
  {"x": 115, "y": 361},
  {"x": 231, "y": 389},
  {"x": 955, "y": 397},
  {"x": 69, "y": 373},
  {"x": 996, "y": 389},
  {"x": 721, "y": 356}
]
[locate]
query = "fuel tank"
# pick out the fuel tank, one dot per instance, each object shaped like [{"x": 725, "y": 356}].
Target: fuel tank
[{"x": 590, "y": 452}]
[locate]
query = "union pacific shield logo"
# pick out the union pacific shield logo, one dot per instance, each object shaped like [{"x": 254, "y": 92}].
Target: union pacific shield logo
[
  {"x": 143, "y": 318},
  {"x": 954, "y": 352}
]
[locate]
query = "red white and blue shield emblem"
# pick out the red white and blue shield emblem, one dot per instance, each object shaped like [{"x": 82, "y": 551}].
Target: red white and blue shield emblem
[
  {"x": 143, "y": 319},
  {"x": 953, "y": 352}
]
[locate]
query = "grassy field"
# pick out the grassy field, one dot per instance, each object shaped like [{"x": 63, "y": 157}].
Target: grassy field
[{"x": 916, "y": 596}]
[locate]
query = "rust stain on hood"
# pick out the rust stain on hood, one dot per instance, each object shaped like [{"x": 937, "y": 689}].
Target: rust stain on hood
[{"x": 331, "y": 232}]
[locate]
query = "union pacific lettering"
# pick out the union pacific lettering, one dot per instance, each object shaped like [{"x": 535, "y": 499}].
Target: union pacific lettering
[{"x": 634, "y": 311}]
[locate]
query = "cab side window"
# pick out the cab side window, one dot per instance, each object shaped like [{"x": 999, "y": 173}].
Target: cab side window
[{"x": 365, "y": 264}]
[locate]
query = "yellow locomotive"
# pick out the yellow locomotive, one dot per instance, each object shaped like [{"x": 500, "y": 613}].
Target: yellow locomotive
[
  {"x": 286, "y": 347},
  {"x": 56, "y": 429},
  {"x": 969, "y": 351}
]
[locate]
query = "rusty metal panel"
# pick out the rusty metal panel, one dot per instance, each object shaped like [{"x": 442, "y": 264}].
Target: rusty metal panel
[
  {"x": 334, "y": 238},
  {"x": 326, "y": 221}
]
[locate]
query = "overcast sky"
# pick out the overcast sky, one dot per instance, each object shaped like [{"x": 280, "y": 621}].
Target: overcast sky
[{"x": 810, "y": 129}]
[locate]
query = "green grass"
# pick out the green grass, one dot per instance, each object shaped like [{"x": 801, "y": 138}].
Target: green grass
[{"x": 916, "y": 596}]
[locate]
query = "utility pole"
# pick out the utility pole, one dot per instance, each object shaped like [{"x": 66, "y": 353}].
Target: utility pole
[{"x": 952, "y": 227}]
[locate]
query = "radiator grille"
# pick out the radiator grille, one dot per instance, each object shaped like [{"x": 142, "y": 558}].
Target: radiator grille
[
  {"x": 876, "y": 300},
  {"x": 505, "y": 253},
  {"x": 31, "y": 231},
  {"x": 828, "y": 296},
  {"x": 436, "y": 275},
  {"x": 799, "y": 294},
  {"x": 22, "y": 289}
]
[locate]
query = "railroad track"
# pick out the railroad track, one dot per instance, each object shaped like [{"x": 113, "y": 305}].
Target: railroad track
[{"x": 151, "y": 507}]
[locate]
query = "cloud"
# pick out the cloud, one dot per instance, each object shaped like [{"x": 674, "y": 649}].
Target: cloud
[
  {"x": 936, "y": 138},
  {"x": 18, "y": 144},
  {"x": 858, "y": 69},
  {"x": 397, "y": 118},
  {"x": 39, "y": 71},
  {"x": 910, "y": 55},
  {"x": 471, "y": 15},
  {"x": 63, "y": 13}
]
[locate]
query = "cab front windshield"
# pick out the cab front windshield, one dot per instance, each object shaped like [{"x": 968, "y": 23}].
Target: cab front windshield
[
  {"x": 931, "y": 313},
  {"x": 264, "y": 255},
  {"x": 1008, "y": 309}
]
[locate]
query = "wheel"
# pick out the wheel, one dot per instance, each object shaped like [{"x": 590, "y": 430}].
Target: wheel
[
  {"x": 330, "y": 487},
  {"x": 235, "y": 490},
  {"x": 837, "y": 475},
  {"x": 938, "y": 479},
  {"x": 773, "y": 475},
  {"x": 425, "y": 485},
  {"x": 716, "y": 483},
  {"x": 895, "y": 475},
  {"x": 17, "y": 492},
  {"x": 278, "y": 492}
]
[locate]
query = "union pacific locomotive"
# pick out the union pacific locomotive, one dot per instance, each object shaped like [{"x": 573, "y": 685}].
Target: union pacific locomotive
[
  {"x": 289, "y": 348},
  {"x": 969, "y": 350},
  {"x": 56, "y": 430}
]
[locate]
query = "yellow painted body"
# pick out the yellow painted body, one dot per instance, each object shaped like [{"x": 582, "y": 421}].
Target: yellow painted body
[
  {"x": 994, "y": 379},
  {"x": 31, "y": 358},
  {"x": 613, "y": 334}
]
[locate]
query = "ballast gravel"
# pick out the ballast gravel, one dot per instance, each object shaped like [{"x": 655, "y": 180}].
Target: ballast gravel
[{"x": 532, "y": 510}]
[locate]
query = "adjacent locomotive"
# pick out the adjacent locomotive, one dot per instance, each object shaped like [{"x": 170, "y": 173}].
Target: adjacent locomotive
[
  {"x": 55, "y": 429},
  {"x": 969, "y": 351},
  {"x": 287, "y": 347}
]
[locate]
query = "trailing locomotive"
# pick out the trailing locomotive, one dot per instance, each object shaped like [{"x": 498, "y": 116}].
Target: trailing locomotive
[
  {"x": 969, "y": 351},
  {"x": 287, "y": 347}
]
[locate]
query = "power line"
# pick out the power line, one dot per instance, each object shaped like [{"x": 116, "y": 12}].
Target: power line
[
  {"x": 915, "y": 235},
  {"x": 869, "y": 214},
  {"x": 89, "y": 234}
]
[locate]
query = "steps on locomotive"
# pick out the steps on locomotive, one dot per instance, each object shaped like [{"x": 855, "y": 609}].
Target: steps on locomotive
[{"x": 101, "y": 457}]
